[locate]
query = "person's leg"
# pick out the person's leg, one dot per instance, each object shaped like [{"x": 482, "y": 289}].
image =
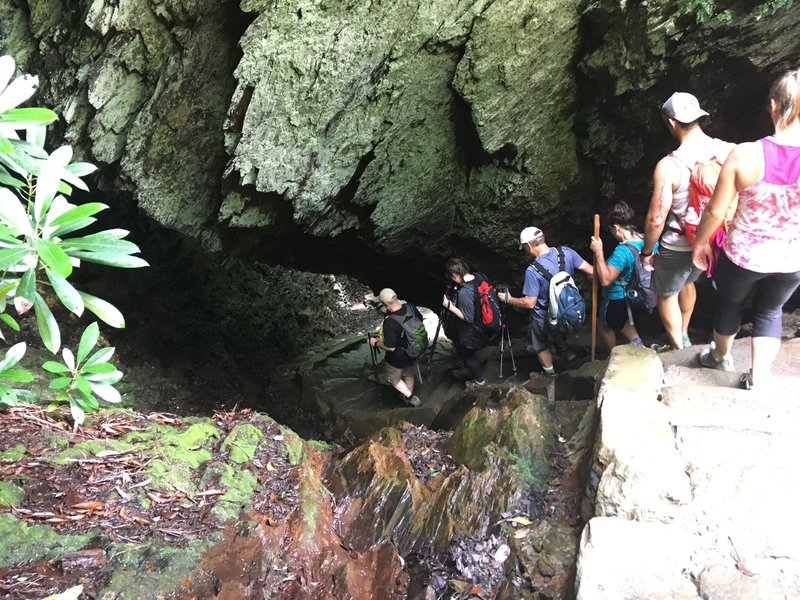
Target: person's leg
[
  {"x": 395, "y": 378},
  {"x": 669, "y": 310},
  {"x": 686, "y": 301},
  {"x": 673, "y": 280},
  {"x": 409, "y": 380},
  {"x": 631, "y": 334},
  {"x": 733, "y": 285},
  {"x": 608, "y": 337},
  {"x": 471, "y": 362},
  {"x": 771, "y": 294},
  {"x": 539, "y": 344},
  {"x": 546, "y": 359}
]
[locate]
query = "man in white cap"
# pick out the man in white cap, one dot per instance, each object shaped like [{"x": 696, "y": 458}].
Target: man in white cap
[
  {"x": 398, "y": 366},
  {"x": 674, "y": 274},
  {"x": 536, "y": 295}
]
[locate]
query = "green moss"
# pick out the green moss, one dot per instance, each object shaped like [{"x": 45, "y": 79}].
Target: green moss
[
  {"x": 242, "y": 442},
  {"x": 89, "y": 449},
  {"x": 23, "y": 542},
  {"x": 319, "y": 444},
  {"x": 10, "y": 494},
  {"x": 152, "y": 570},
  {"x": 172, "y": 475},
  {"x": 13, "y": 453},
  {"x": 240, "y": 485},
  {"x": 293, "y": 445}
]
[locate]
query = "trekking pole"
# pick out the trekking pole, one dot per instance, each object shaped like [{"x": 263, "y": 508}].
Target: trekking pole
[
  {"x": 510, "y": 348},
  {"x": 419, "y": 373},
  {"x": 594, "y": 290},
  {"x": 442, "y": 317}
]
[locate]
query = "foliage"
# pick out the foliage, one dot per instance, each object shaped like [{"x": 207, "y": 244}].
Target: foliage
[
  {"x": 9, "y": 395},
  {"x": 84, "y": 378},
  {"x": 770, "y": 7},
  {"x": 40, "y": 248}
]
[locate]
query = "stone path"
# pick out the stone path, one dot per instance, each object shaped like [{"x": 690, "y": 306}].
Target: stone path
[{"x": 694, "y": 481}]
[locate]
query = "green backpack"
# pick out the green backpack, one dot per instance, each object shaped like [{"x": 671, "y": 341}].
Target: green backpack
[{"x": 414, "y": 339}]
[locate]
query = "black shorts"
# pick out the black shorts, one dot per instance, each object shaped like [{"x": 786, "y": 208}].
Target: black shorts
[
  {"x": 616, "y": 314},
  {"x": 538, "y": 336}
]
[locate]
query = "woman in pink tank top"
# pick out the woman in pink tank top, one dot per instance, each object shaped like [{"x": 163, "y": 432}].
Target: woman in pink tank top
[{"x": 760, "y": 253}]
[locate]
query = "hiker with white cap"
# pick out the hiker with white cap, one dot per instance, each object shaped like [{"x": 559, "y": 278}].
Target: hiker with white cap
[
  {"x": 535, "y": 296},
  {"x": 670, "y": 213},
  {"x": 399, "y": 367}
]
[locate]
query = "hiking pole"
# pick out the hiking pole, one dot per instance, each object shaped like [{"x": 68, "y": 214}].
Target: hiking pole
[
  {"x": 419, "y": 373},
  {"x": 594, "y": 290},
  {"x": 442, "y": 316}
]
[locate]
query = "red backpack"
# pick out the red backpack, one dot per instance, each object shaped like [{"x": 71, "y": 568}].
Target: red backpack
[{"x": 702, "y": 181}]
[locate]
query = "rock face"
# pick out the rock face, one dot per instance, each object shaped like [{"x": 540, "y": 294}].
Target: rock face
[{"x": 306, "y": 133}]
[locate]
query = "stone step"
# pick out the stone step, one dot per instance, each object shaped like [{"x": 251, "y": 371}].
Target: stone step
[
  {"x": 697, "y": 375},
  {"x": 773, "y": 411}
]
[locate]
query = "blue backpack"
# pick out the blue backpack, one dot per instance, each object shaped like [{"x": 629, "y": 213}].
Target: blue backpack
[{"x": 566, "y": 310}]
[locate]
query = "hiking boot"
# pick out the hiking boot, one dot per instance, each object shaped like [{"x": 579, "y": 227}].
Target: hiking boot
[
  {"x": 706, "y": 358},
  {"x": 660, "y": 348},
  {"x": 413, "y": 401},
  {"x": 471, "y": 385},
  {"x": 746, "y": 381},
  {"x": 686, "y": 341},
  {"x": 533, "y": 375}
]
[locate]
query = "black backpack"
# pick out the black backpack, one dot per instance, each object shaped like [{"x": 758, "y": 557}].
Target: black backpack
[
  {"x": 414, "y": 339},
  {"x": 638, "y": 292},
  {"x": 487, "y": 309},
  {"x": 566, "y": 310}
]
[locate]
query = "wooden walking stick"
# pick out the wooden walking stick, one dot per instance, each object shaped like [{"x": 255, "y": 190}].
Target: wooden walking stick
[{"x": 594, "y": 290}]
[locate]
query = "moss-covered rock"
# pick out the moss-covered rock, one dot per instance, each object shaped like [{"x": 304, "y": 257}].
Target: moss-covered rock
[
  {"x": 10, "y": 494},
  {"x": 23, "y": 542}
]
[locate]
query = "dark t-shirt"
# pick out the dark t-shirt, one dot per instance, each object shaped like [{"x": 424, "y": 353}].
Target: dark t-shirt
[
  {"x": 468, "y": 334},
  {"x": 393, "y": 335}
]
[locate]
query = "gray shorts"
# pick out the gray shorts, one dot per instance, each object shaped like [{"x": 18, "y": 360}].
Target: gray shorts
[{"x": 672, "y": 270}]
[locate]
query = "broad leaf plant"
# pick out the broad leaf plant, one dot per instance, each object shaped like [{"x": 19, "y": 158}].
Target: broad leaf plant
[{"x": 41, "y": 244}]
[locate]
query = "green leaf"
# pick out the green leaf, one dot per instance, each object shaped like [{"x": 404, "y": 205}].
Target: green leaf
[
  {"x": 30, "y": 149},
  {"x": 110, "y": 241},
  {"x": 9, "y": 235},
  {"x": 106, "y": 311},
  {"x": 24, "y": 117},
  {"x": 109, "y": 378},
  {"x": 121, "y": 260},
  {"x": 78, "y": 414},
  {"x": 5, "y": 145},
  {"x": 70, "y": 227},
  {"x": 99, "y": 369},
  {"x": 46, "y": 188},
  {"x": 59, "y": 383},
  {"x": 52, "y": 366},
  {"x": 107, "y": 393},
  {"x": 69, "y": 358},
  {"x": 88, "y": 341},
  {"x": 9, "y": 320},
  {"x": 48, "y": 327},
  {"x": 7, "y": 179},
  {"x": 36, "y": 135},
  {"x": 12, "y": 257},
  {"x": 101, "y": 356},
  {"x": 27, "y": 286},
  {"x": 54, "y": 257},
  {"x": 87, "y": 400},
  {"x": 68, "y": 295},
  {"x": 81, "y": 169},
  {"x": 83, "y": 385},
  {"x": 13, "y": 356},
  {"x": 17, "y": 375},
  {"x": 79, "y": 212},
  {"x": 13, "y": 213}
]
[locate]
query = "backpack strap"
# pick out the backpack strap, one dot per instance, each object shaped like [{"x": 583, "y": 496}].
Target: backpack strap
[
  {"x": 542, "y": 271},
  {"x": 633, "y": 249}
]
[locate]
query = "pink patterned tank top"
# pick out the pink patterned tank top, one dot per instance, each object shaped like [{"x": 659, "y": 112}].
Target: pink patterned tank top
[{"x": 765, "y": 236}]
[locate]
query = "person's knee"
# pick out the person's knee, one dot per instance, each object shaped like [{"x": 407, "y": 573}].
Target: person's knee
[{"x": 768, "y": 322}]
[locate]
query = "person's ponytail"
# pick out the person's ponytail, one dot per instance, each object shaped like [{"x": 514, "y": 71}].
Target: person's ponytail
[{"x": 785, "y": 92}]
